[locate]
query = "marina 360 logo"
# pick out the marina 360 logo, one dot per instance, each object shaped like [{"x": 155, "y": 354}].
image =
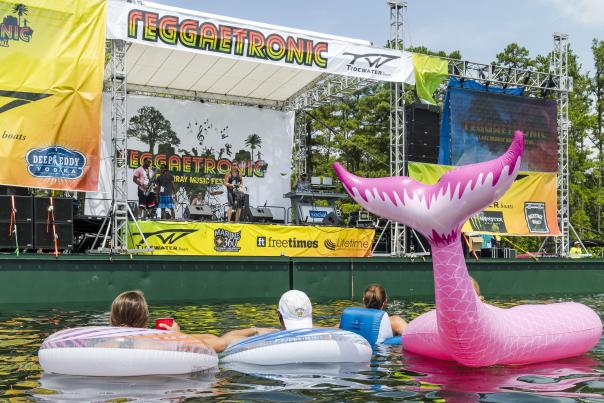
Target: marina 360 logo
[
  {"x": 226, "y": 241},
  {"x": 11, "y": 28},
  {"x": 55, "y": 162}
]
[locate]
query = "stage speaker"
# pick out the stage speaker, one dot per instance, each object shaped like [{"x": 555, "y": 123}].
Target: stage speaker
[
  {"x": 259, "y": 214},
  {"x": 43, "y": 239},
  {"x": 25, "y": 235},
  {"x": 23, "y": 205},
  {"x": 331, "y": 219},
  {"x": 423, "y": 137},
  {"x": 63, "y": 209},
  {"x": 199, "y": 212}
]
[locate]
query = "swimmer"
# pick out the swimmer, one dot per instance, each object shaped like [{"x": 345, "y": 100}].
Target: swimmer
[
  {"x": 130, "y": 309},
  {"x": 375, "y": 297}
]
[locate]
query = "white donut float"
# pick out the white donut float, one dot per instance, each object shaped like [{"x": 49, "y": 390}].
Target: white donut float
[
  {"x": 320, "y": 345},
  {"x": 123, "y": 351}
]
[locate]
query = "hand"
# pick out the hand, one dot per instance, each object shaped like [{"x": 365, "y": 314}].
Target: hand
[
  {"x": 173, "y": 328},
  {"x": 264, "y": 330}
]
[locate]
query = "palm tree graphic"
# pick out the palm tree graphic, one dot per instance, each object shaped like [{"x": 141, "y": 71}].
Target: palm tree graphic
[
  {"x": 21, "y": 10},
  {"x": 253, "y": 141}
]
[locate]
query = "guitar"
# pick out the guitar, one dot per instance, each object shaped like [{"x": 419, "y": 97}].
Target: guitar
[{"x": 151, "y": 184}]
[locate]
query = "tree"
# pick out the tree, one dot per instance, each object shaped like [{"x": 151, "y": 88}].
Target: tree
[
  {"x": 598, "y": 132},
  {"x": 253, "y": 141},
  {"x": 21, "y": 10},
  {"x": 151, "y": 127},
  {"x": 514, "y": 56}
]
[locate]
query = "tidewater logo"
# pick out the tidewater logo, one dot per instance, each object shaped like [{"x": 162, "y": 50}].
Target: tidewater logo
[{"x": 55, "y": 162}]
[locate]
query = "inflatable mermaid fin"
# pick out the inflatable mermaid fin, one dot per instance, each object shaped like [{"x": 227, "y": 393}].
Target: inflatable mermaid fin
[{"x": 437, "y": 211}]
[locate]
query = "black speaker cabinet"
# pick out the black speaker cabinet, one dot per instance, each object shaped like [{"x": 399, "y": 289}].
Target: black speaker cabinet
[
  {"x": 63, "y": 209},
  {"x": 23, "y": 205},
  {"x": 25, "y": 235},
  {"x": 199, "y": 212},
  {"x": 259, "y": 214},
  {"x": 423, "y": 139},
  {"x": 44, "y": 235}
]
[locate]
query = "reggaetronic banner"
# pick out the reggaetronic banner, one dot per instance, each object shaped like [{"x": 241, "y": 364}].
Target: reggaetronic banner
[
  {"x": 199, "y": 143},
  {"x": 232, "y": 38},
  {"x": 51, "y": 78},
  {"x": 527, "y": 208},
  {"x": 231, "y": 239}
]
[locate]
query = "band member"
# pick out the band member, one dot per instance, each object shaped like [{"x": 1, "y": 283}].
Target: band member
[
  {"x": 234, "y": 184},
  {"x": 143, "y": 177},
  {"x": 198, "y": 199},
  {"x": 165, "y": 181},
  {"x": 302, "y": 184}
]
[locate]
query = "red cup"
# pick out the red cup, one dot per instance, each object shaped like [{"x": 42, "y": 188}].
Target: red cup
[{"x": 166, "y": 321}]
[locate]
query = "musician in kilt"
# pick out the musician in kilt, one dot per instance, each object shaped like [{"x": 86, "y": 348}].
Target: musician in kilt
[{"x": 143, "y": 177}]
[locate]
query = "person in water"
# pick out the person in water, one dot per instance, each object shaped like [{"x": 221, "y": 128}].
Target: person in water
[
  {"x": 130, "y": 309},
  {"x": 375, "y": 297}
]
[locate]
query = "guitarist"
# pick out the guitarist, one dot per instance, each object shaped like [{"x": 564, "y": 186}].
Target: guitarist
[{"x": 143, "y": 177}]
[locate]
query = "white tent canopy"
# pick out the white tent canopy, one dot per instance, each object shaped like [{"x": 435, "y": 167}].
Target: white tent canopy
[{"x": 184, "y": 50}]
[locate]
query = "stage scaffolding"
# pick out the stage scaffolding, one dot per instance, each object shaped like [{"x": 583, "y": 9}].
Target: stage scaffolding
[{"x": 331, "y": 88}]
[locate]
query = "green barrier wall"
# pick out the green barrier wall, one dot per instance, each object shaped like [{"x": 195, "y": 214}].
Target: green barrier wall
[
  {"x": 33, "y": 279},
  {"x": 68, "y": 279}
]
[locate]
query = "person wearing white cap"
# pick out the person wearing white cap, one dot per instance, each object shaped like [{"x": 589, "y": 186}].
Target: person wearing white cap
[{"x": 295, "y": 310}]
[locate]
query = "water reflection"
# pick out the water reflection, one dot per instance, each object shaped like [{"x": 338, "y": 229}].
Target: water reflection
[{"x": 389, "y": 377}]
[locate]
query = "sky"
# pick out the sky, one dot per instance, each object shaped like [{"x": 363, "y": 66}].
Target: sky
[{"x": 479, "y": 29}]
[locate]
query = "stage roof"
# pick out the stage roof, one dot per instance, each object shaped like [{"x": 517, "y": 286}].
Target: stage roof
[{"x": 156, "y": 64}]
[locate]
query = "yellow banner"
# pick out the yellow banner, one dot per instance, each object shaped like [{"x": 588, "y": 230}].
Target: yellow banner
[
  {"x": 51, "y": 81},
  {"x": 529, "y": 207},
  {"x": 233, "y": 239}
]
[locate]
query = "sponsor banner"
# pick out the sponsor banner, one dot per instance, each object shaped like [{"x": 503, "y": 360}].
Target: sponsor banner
[
  {"x": 529, "y": 206},
  {"x": 243, "y": 40},
  {"x": 51, "y": 80},
  {"x": 483, "y": 123},
  {"x": 199, "y": 142},
  {"x": 232, "y": 239}
]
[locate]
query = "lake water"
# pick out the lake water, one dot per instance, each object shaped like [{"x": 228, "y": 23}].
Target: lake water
[{"x": 389, "y": 377}]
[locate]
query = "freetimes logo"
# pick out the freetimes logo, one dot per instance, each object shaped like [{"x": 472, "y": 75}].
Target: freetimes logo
[
  {"x": 345, "y": 244},
  {"x": 166, "y": 237},
  {"x": 370, "y": 63},
  {"x": 226, "y": 241},
  {"x": 290, "y": 243}
]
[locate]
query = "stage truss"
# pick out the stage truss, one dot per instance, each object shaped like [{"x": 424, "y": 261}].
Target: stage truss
[{"x": 330, "y": 88}]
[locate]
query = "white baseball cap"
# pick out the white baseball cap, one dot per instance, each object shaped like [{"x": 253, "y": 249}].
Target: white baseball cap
[{"x": 296, "y": 310}]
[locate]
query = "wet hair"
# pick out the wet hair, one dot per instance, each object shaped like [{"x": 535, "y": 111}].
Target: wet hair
[
  {"x": 374, "y": 296},
  {"x": 129, "y": 309}
]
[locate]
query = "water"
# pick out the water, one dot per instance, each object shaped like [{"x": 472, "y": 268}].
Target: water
[{"x": 389, "y": 377}]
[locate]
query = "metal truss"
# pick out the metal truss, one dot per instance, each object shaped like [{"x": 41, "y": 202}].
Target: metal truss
[
  {"x": 398, "y": 157},
  {"x": 326, "y": 90},
  {"x": 559, "y": 67},
  {"x": 510, "y": 77},
  {"x": 116, "y": 228},
  {"x": 202, "y": 96}
]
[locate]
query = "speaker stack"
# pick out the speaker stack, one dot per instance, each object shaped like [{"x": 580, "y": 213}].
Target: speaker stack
[
  {"x": 63, "y": 223},
  {"x": 22, "y": 222},
  {"x": 259, "y": 214},
  {"x": 423, "y": 133}
]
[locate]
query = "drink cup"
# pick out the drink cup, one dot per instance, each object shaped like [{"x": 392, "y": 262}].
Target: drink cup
[{"x": 166, "y": 321}]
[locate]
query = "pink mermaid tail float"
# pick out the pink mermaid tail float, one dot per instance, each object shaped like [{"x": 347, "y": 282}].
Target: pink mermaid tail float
[{"x": 463, "y": 328}]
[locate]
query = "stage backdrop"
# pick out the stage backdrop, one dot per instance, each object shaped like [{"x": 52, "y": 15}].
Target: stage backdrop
[
  {"x": 482, "y": 125},
  {"x": 226, "y": 239},
  {"x": 199, "y": 142},
  {"x": 527, "y": 208},
  {"x": 51, "y": 79}
]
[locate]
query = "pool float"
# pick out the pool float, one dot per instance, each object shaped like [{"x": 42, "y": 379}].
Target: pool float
[
  {"x": 313, "y": 346},
  {"x": 373, "y": 324},
  {"x": 463, "y": 328},
  {"x": 124, "y": 351}
]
